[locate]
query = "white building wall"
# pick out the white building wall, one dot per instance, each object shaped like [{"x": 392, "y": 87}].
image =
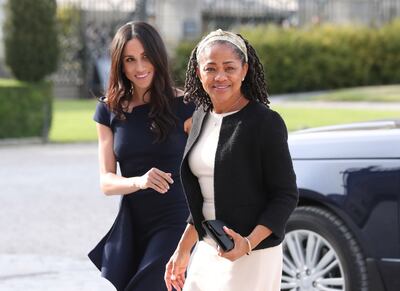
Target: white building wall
[
  {"x": 367, "y": 12},
  {"x": 177, "y": 20}
]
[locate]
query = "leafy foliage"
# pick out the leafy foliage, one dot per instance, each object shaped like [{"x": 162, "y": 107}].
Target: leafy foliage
[
  {"x": 25, "y": 109},
  {"x": 31, "y": 45},
  {"x": 321, "y": 57}
]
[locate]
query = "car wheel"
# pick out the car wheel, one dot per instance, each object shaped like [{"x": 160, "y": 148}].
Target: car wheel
[{"x": 320, "y": 253}]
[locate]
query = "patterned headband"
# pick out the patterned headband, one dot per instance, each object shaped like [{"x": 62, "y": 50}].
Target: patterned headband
[{"x": 225, "y": 36}]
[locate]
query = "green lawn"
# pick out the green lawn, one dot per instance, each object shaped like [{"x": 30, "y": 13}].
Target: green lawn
[
  {"x": 304, "y": 117},
  {"x": 72, "y": 119},
  {"x": 9, "y": 82},
  {"x": 389, "y": 93}
]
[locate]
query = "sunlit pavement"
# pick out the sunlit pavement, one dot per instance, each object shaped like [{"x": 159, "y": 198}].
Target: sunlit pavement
[
  {"x": 38, "y": 272},
  {"x": 52, "y": 214}
]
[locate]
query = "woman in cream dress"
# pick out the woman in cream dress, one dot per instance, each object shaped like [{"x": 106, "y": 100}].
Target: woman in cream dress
[{"x": 236, "y": 168}]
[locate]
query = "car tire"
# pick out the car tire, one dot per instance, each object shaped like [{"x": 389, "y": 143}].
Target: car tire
[{"x": 320, "y": 253}]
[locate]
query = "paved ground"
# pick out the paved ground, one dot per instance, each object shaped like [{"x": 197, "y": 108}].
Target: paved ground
[{"x": 52, "y": 214}]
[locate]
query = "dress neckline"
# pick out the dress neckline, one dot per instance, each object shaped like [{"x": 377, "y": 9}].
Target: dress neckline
[
  {"x": 231, "y": 114},
  {"x": 144, "y": 105},
  {"x": 221, "y": 115}
]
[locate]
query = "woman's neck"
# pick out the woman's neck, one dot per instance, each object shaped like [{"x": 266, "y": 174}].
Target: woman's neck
[
  {"x": 236, "y": 105},
  {"x": 140, "y": 97}
]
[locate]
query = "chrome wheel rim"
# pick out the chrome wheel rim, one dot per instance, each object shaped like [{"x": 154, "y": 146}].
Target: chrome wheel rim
[{"x": 310, "y": 263}]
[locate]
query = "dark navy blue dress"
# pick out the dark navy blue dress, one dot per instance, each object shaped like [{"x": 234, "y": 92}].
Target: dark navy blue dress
[{"x": 133, "y": 254}]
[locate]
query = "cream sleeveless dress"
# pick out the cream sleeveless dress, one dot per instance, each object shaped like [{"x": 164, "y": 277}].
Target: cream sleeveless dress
[{"x": 259, "y": 271}]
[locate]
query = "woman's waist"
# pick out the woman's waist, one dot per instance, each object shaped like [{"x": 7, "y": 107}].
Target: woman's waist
[
  {"x": 174, "y": 195},
  {"x": 266, "y": 250},
  {"x": 132, "y": 169},
  {"x": 161, "y": 215}
]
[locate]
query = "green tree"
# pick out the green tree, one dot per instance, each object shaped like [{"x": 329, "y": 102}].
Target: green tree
[{"x": 31, "y": 44}]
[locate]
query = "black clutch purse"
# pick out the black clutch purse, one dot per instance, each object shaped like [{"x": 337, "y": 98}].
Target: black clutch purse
[{"x": 214, "y": 228}]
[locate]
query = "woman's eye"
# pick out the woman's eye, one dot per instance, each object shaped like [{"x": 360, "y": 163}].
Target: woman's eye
[
  {"x": 129, "y": 60},
  {"x": 230, "y": 68},
  {"x": 209, "y": 69}
]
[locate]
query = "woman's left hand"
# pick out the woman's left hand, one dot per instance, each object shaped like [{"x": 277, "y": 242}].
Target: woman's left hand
[{"x": 240, "y": 249}]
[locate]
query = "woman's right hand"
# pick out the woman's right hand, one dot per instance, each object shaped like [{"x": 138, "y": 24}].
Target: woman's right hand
[
  {"x": 175, "y": 270},
  {"x": 155, "y": 179}
]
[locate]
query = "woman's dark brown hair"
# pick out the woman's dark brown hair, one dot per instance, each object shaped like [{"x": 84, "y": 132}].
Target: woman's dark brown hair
[
  {"x": 253, "y": 87},
  {"x": 120, "y": 92}
]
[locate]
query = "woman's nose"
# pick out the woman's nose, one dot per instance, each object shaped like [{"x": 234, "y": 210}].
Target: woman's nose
[
  {"x": 220, "y": 76},
  {"x": 140, "y": 66}
]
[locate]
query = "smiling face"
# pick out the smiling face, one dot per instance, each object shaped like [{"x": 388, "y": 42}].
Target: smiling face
[
  {"x": 221, "y": 72},
  {"x": 136, "y": 66}
]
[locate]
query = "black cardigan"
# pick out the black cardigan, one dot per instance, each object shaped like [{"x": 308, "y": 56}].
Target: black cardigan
[{"x": 254, "y": 181}]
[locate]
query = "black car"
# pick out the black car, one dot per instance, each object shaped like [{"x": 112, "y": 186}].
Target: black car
[{"x": 345, "y": 232}]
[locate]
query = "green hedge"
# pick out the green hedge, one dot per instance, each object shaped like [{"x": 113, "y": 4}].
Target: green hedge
[
  {"x": 31, "y": 38},
  {"x": 318, "y": 58},
  {"x": 25, "y": 109},
  {"x": 180, "y": 62}
]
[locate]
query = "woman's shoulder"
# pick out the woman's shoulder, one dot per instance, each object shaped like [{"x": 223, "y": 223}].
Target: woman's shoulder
[
  {"x": 178, "y": 96},
  {"x": 178, "y": 92},
  {"x": 102, "y": 112},
  {"x": 265, "y": 116},
  {"x": 102, "y": 106},
  {"x": 184, "y": 109},
  {"x": 260, "y": 110},
  {"x": 102, "y": 103}
]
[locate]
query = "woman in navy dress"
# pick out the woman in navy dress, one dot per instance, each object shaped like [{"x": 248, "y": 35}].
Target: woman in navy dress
[{"x": 141, "y": 127}]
